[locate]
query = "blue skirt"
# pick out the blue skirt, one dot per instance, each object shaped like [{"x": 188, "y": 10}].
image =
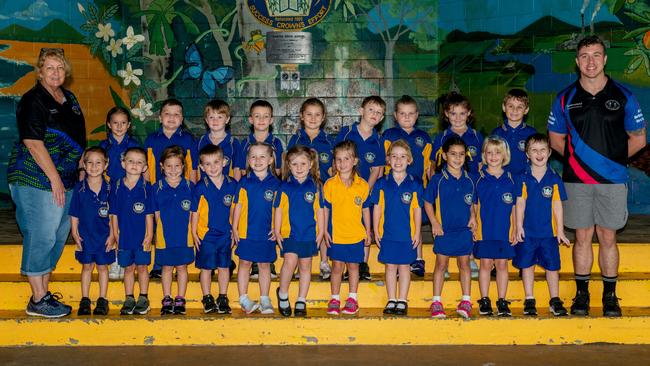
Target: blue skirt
[
  {"x": 303, "y": 249},
  {"x": 454, "y": 244},
  {"x": 175, "y": 256},
  {"x": 397, "y": 252},
  {"x": 259, "y": 251},
  {"x": 494, "y": 249},
  {"x": 348, "y": 253}
]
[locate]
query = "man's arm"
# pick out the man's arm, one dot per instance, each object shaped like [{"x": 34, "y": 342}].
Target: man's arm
[
  {"x": 636, "y": 142},
  {"x": 558, "y": 141}
]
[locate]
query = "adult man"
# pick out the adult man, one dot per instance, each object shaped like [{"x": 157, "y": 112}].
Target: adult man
[{"x": 596, "y": 124}]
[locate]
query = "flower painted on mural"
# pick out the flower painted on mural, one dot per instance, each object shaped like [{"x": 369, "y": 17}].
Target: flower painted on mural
[
  {"x": 115, "y": 47},
  {"x": 81, "y": 8},
  {"x": 131, "y": 38},
  {"x": 130, "y": 75},
  {"x": 105, "y": 31},
  {"x": 646, "y": 39},
  {"x": 142, "y": 110}
]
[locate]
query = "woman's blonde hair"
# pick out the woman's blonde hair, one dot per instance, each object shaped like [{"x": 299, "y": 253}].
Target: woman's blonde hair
[
  {"x": 500, "y": 144},
  {"x": 53, "y": 53}
]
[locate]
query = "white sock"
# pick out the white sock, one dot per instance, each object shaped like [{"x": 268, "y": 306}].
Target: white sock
[
  {"x": 392, "y": 299},
  {"x": 402, "y": 300},
  {"x": 530, "y": 297},
  {"x": 301, "y": 299},
  {"x": 466, "y": 298},
  {"x": 336, "y": 297},
  {"x": 352, "y": 295},
  {"x": 284, "y": 299},
  {"x": 436, "y": 298}
]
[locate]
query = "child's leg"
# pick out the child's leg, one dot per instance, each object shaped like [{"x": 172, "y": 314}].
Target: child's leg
[
  {"x": 304, "y": 265},
  {"x": 143, "y": 279},
  {"x": 442, "y": 261},
  {"x": 404, "y": 281},
  {"x": 166, "y": 279},
  {"x": 418, "y": 251},
  {"x": 102, "y": 275},
  {"x": 223, "y": 276},
  {"x": 288, "y": 267},
  {"x": 323, "y": 253},
  {"x": 181, "y": 279},
  {"x": 391, "y": 281},
  {"x": 484, "y": 276},
  {"x": 205, "y": 278},
  {"x": 353, "y": 279},
  {"x": 337, "y": 275},
  {"x": 528, "y": 278},
  {"x": 502, "y": 277},
  {"x": 243, "y": 276},
  {"x": 86, "y": 277},
  {"x": 129, "y": 279},
  {"x": 553, "y": 280},
  {"x": 465, "y": 274},
  {"x": 264, "y": 278}
]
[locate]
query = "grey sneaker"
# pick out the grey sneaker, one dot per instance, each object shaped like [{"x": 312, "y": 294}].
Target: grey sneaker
[
  {"x": 325, "y": 271},
  {"x": 474, "y": 269},
  {"x": 249, "y": 306},
  {"x": 142, "y": 306},
  {"x": 47, "y": 307},
  {"x": 114, "y": 271},
  {"x": 128, "y": 306},
  {"x": 266, "y": 307}
]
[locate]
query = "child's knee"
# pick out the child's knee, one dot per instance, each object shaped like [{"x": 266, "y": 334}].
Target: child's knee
[{"x": 264, "y": 266}]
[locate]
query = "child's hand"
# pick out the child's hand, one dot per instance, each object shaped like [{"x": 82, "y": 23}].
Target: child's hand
[
  {"x": 278, "y": 239},
  {"x": 234, "y": 233},
  {"x": 272, "y": 235},
  {"x": 472, "y": 225},
  {"x": 436, "y": 229},
  {"x": 513, "y": 238},
  {"x": 562, "y": 239},
  {"x": 78, "y": 246},
  {"x": 377, "y": 239},
  {"x": 319, "y": 239},
  {"x": 368, "y": 239},
  {"x": 146, "y": 245},
  {"x": 327, "y": 238},
  {"x": 197, "y": 241},
  {"x": 110, "y": 243},
  {"x": 417, "y": 240},
  {"x": 520, "y": 234}
]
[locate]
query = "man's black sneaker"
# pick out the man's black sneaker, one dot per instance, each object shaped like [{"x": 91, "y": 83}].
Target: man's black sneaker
[
  {"x": 167, "y": 306},
  {"x": 101, "y": 307},
  {"x": 155, "y": 274},
  {"x": 232, "y": 267},
  {"x": 485, "y": 306},
  {"x": 502, "y": 308},
  {"x": 222, "y": 305},
  {"x": 209, "y": 305},
  {"x": 364, "y": 272},
  {"x": 529, "y": 307},
  {"x": 84, "y": 306},
  {"x": 610, "y": 305},
  {"x": 580, "y": 304},
  {"x": 179, "y": 305},
  {"x": 556, "y": 306},
  {"x": 255, "y": 272}
]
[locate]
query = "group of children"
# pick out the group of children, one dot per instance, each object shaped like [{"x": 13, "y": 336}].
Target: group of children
[{"x": 195, "y": 201}]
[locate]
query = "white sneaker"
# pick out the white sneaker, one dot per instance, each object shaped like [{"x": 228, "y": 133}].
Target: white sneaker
[
  {"x": 325, "y": 270},
  {"x": 266, "y": 307},
  {"x": 249, "y": 306},
  {"x": 114, "y": 271},
  {"x": 121, "y": 273}
]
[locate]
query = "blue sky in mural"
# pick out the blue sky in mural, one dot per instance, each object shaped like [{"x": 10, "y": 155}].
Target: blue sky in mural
[
  {"x": 36, "y": 14},
  {"x": 487, "y": 15}
]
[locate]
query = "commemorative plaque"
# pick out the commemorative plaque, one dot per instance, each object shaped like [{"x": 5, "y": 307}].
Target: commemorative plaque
[{"x": 288, "y": 47}]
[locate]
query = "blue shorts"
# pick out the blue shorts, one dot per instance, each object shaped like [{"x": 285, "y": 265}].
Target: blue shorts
[
  {"x": 303, "y": 249},
  {"x": 493, "y": 249},
  {"x": 454, "y": 244},
  {"x": 397, "y": 252},
  {"x": 44, "y": 226},
  {"x": 544, "y": 252},
  {"x": 127, "y": 257},
  {"x": 214, "y": 253},
  {"x": 175, "y": 256},
  {"x": 348, "y": 253},
  {"x": 100, "y": 258},
  {"x": 259, "y": 251}
]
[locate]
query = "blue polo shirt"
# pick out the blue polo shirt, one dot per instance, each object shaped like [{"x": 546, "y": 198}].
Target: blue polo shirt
[
  {"x": 92, "y": 211},
  {"x": 246, "y": 144},
  {"x": 420, "y": 144},
  {"x": 231, "y": 149},
  {"x": 370, "y": 151},
  {"x": 494, "y": 198},
  {"x": 472, "y": 139},
  {"x": 452, "y": 200},
  {"x": 539, "y": 220},
  {"x": 299, "y": 203},
  {"x": 213, "y": 206},
  {"x": 397, "y": 204},
  {"x": 256, "y": 197},
  {"x": 516, "y": 139},
  {"x": 323, "y": 146},
  {"x": 157, "y": 142},
  {"x": 173, "y": 205},
  {"x": 115, "y": 152},
  {"x": 131, "y": 206}
]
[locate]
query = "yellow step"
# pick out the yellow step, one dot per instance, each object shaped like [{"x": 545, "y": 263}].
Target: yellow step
[{"x": 367, "y": 328}]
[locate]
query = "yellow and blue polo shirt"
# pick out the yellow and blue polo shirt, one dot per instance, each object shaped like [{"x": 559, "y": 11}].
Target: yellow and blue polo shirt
[
  {"x": 231, "y": 149},
  {"x": 472, "y": 139},
  {"x": 421, "y": 147},
  {"x": 539, "y": 219},
  {"x": 494, "y": 199},
  {"x": 92, "y": 211},
  {"x": 323, "y": 146},
  {"x": 397, "y": 204},
  {"x": 370, "y": 151},
  {"x": 299, "y": 203},
  {"x": 346, "y": 204},
  {"x": 214, "y": 206},
  {"x": 256, "y": 197},
  {"x": 156, "y": 142},
  {"x": 452, "y": 200},
  {"x": 246, "y": 143},
  {"x": 173, "y": 204},
  {"x": 131, "y": 207}
]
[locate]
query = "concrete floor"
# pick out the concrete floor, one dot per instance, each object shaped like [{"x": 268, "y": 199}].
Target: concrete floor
[{"x": 592, "y": 355}]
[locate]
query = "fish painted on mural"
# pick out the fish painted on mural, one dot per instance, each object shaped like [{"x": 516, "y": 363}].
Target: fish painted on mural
[{"x": 211, "y": 80}]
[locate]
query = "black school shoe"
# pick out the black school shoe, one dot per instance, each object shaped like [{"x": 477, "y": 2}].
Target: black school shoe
[
  {"x": 502, "y": 308},
  {"x": 556, "y": 306},
  {"x": 84, "y": 306},
  {"x": 300, "y": 309},
  {"x": 209, "y": 306},
  {"x": 485, "y": 306},
  {"x": 580, "y": 304},
  {"x": 284, "y": 311},
  {"x": 610, "y": 305},
  {"x": 222, "y": 305},
  {"x": 402, "y": 308},
  {"x": 101, "y": 307},
  {"x": 529, "y": 307},
  {"x": 389, "y": 309}
]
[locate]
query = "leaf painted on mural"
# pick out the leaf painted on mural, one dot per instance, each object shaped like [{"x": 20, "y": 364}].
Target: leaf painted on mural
[
  {"x": 113, "y": 66},
  {"x": 92, "y": 12},
  {"x": 135, "y": 50},
  {"x": 150, "y": 84},
  {"x": 141, "y": 59},
  {"x": 169, "y": 34},
  {"x": 615, "y": 5},
  {"x": 634, "y": 65},
  {"x": 101, "y": 128},
  {"x": 117, "y": 99},
  {"x": 88, "y": 27},
  {"x": 108, "y": 13},
  {"x": 637, "y": 17},
  {"x": 350, "y": 7},
  {"x": 636, "y": 32},
  {"x": 156, "y": 41},
  {"x": 191, "y": 27},
  {"x": 633, "y": 51},
  {"x": 95, "y": 46}
]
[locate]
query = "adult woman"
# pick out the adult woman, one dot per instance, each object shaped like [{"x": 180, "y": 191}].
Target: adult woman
[{"x": 42, "y": 171}]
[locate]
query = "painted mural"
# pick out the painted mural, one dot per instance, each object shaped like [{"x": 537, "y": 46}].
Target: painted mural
[{"x": 136, "y": 53}]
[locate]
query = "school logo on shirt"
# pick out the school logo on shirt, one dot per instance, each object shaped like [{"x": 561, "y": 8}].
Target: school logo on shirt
[
  {"x": 138, "y": 207},
  {"x": 268, "y": 195},
  {"x": 472, "y": 151},
  {"x": 76, "y": 109},
  {"x": 507, "y": 198},
  {"x": 406, "y": 197},
  {"x": 309, "y": 197},
  {"x": 419, "y": 141},
  {"x": 468, "y": 198},
  {"x": 612, "y": 105},
  {"x": 370, "y": 157},
  {"x": 185, "y": 205},
  {"x": 227, "y": 200},
  {"x": 522, "y": 145},
  {"x": 226, "y": 160},
  {"x": 547, "y": 192},
  {"x": 324, "y": 157},
  {"x": 357, "y": 200},
  {"x": 103, "y": 211}
]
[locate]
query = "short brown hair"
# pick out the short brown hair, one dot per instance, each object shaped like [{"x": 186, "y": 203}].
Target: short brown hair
[
  {"x": 217, "y": 106},
  {"x": 260, "y": 103},
  {"x": 590, "y": 41},
  {"x": 406, "y": 99},
  {"x": 375, "y": 99},
  {"x": 517, "y": 94}
]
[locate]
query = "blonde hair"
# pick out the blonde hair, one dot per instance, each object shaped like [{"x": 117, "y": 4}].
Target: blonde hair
[
  {"x": 404, "y": 145},
  {"x": 56, "y": 53},
  {"x": 500, "y": 144},
  {"x": 311, "y": 154},
  {"x": 271, "y": 152},
  {"x": 351, "y": 148}
]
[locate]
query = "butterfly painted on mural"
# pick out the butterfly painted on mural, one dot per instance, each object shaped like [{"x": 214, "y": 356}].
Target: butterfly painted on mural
[{"x": 210, "y": 79}]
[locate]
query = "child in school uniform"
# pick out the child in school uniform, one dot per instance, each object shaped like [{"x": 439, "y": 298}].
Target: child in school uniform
[
  {"x": 216, "y": 115},
  {"x": 211, "y": 222},
  {"x": 397, "y": 200},
  {"x": 131, "y": 213},
  {"x": 252, "y": 225},
  {"x": 90, "y": 228},
  {"x": 540, "y": 224}
]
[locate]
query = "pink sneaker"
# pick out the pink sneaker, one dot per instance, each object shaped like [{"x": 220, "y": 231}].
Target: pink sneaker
[
  {"x": 351, "y": 307},
  {"x": 437, "y": 310},
  {"x": 464, "y": 309},
  {"x": 334, "y": 307}
]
